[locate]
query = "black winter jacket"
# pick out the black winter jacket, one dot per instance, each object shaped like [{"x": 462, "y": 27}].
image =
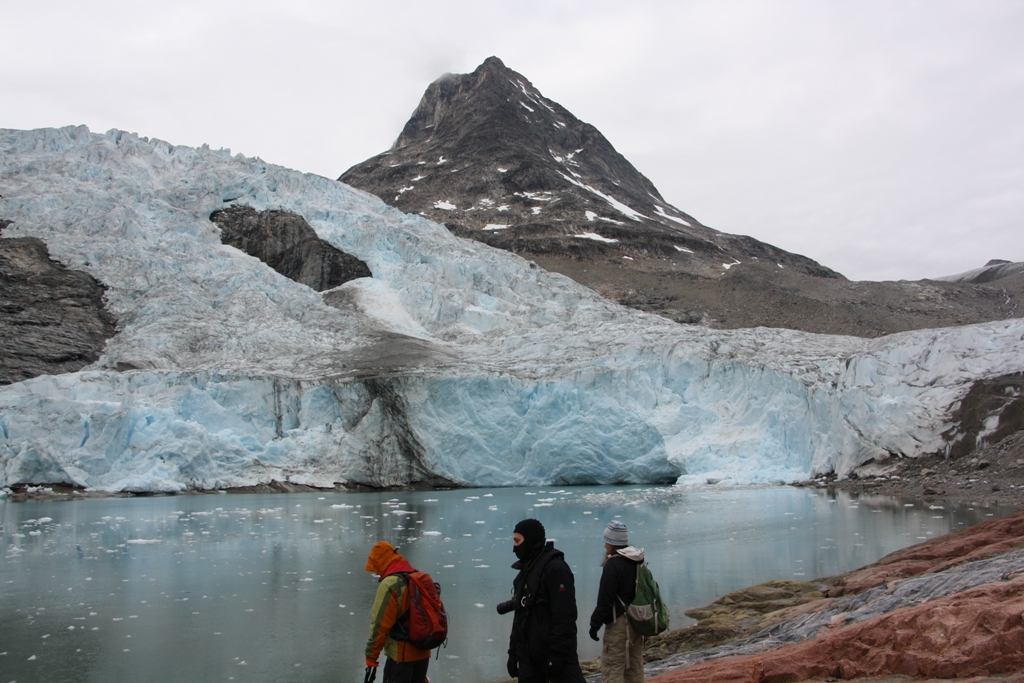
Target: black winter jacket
[
  {"x": 544, "y": 627},
  {"x": 618, "y": 582}
]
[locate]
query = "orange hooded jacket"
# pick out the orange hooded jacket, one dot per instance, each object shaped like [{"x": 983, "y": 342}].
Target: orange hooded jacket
[{"x": 391, "y": 602}]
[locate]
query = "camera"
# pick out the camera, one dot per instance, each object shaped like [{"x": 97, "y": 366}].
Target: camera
[{"x": 506, "y": 607}]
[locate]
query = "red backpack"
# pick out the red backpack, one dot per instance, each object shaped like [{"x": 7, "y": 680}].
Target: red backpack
[{"x": 425, "y": 624}]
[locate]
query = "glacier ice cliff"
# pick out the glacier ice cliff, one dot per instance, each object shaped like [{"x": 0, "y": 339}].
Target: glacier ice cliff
[{"x": 454, "y": 363}]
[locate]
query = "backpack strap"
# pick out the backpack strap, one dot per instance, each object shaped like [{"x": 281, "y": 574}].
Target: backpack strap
[
  {"x": 402, "y": 623},
  {"x": 636, "y": 586}
]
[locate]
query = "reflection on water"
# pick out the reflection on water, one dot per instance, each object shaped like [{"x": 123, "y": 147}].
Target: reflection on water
[{"x": 272, "y": 587}]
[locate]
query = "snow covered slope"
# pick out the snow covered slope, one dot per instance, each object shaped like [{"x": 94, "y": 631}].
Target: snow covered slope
[{"x": 454, "y": 363}]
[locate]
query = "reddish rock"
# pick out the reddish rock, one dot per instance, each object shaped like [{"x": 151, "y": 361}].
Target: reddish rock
[{"x": 979, "y": 632}]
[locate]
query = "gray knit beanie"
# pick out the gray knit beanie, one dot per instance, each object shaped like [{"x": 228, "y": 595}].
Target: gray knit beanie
[{"x": 615, "y": 534}]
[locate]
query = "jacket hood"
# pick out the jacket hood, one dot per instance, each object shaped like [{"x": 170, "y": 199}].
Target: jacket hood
[
  {"x": 385, "y": 560},
  {"x": 632, "y": 553}
]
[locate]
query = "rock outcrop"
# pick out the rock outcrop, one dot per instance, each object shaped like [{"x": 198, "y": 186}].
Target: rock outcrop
[
  {"x": 52, "y": 319},
  {"x": 947, "y": 608},
  {"x": 975, "y": 633},
  {"x": 287, "y": 243}
]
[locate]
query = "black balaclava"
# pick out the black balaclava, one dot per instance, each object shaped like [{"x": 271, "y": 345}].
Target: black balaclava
[{"x": 532, "y": 532}]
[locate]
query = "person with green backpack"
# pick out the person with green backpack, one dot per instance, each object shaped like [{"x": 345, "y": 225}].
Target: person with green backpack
[{"x": 629, "y": 606}]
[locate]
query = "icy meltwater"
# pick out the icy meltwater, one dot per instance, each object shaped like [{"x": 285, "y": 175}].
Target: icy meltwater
[{"x": 272, "y": 587}]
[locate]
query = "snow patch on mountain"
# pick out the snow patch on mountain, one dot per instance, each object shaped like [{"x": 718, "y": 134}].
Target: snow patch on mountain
[
  {"x": 660, "y": 211},
  {"x": 594, "y": 236},
  {"x": 615, "y": 203},
  {"x": 454, "y": 362}
]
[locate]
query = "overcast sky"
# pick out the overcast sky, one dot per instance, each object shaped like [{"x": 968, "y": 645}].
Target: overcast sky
[{"x": 882, "y": 139}]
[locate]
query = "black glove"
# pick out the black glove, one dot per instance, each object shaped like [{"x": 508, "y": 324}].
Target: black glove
[
  {"x": 371, "y": 674},
  {"x": 593, "y": 633},
  {"x": 513, "y": 667}
]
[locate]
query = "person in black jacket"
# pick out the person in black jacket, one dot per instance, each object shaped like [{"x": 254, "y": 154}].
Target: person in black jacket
[
  {"x": 542, "y": 646},
  {"x": 622, "y": 653}
]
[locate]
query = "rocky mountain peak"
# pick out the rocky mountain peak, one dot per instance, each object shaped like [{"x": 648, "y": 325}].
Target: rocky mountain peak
[{"x": 494, "y": 160}]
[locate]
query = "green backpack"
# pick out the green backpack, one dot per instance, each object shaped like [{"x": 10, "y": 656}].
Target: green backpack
[{"x": 647, "y": 613}]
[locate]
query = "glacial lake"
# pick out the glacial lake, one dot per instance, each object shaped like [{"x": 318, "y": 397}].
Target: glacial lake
[{"x": 271, "y": 588}]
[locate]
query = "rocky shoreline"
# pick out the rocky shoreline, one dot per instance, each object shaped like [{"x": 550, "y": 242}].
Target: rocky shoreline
[{"x": 992, "y": 475}]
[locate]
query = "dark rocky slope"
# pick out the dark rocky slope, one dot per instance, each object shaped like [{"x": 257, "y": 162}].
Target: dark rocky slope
[
  {"x": 52, "y": 319},
  {"x": 490, "y": 157}
]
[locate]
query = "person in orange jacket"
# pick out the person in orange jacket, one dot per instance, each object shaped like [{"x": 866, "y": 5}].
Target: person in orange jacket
[{"x": 404, "y": 663}]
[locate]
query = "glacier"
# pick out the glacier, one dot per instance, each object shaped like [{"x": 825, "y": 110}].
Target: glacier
[{"x": 454, "y": 364}]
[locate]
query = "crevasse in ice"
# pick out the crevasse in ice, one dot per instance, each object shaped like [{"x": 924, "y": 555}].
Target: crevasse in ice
[{"x": 455, "y": 362}]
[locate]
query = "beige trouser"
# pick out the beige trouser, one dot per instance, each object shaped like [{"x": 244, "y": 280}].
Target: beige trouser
[{"x": 622, "y": 653}]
